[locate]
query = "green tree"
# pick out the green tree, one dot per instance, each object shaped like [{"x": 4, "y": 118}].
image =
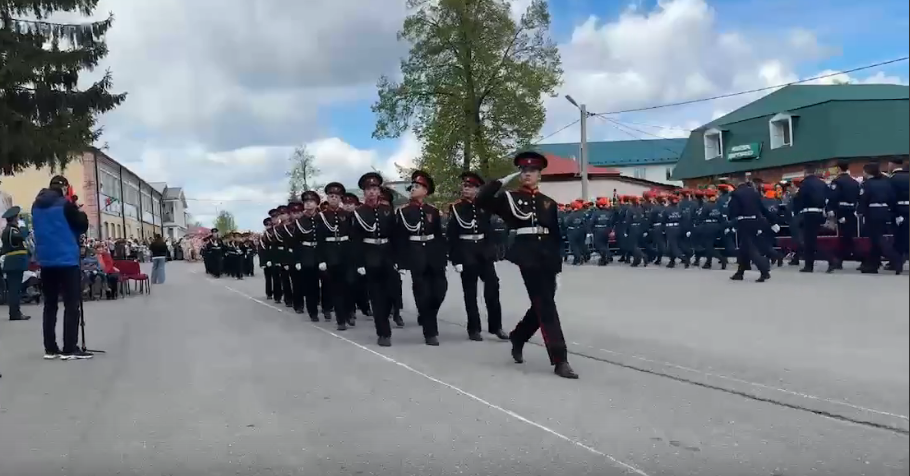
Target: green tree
[
  {"x": 472, "y": 86},
  {"x": 44, "y": 116},
  {"x": 224, "y": 222},
  {"x": 303, "y": 173}
]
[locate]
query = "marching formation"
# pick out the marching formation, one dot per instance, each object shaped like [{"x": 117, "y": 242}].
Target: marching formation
[{"x": 339, "y": 255}]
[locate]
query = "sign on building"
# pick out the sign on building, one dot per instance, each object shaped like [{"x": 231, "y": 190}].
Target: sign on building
[{"x": 744, "y": 151}]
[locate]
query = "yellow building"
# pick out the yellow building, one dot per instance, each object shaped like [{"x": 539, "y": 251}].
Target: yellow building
[{"x": 118, "y": 203}]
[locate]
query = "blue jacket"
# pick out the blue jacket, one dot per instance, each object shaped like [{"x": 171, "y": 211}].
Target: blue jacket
[{"x": 57, "y": 224}]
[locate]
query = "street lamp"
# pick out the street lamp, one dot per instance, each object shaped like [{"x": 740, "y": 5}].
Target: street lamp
[{"x": 583, "y": 160}]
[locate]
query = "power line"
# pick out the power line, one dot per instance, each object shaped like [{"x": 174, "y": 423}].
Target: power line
[
  {"x": 557, "y": 132},
  {"x": 757, "y": 90},
  {"x": 622, "y": 128}
]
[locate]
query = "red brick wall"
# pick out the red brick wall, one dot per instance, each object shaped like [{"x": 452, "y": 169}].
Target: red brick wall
[{"x": 776, "y": 174}]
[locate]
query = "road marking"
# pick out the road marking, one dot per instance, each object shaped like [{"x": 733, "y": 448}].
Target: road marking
[{"x": 626, "y": 466}]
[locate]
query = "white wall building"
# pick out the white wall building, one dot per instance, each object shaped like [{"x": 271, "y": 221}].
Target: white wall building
[
  {"x": 561, "y": 181},
  {"x": 175, "y": 210}
]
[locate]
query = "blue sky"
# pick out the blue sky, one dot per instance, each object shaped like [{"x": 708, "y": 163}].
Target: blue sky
[{"x": 218, "y": 102}]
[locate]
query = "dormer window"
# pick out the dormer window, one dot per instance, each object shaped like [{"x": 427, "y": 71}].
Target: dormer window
[
  {"x": 714, "y": 144},
  {"x": 781, "y": 129}
]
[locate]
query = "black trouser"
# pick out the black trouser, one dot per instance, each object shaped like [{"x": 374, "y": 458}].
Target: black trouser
[
  {"x": 542, "y": 315},
  {"x": 217, "y": 266},
  {"x": 325, "y": 294},
  {"x": 14, "y": 292},
  {"x": 278, "y": 290},
  {"x": 749, "y": 248},
  {"x": 288, "y": 294},
  {"x": 878, "y": 246},
  {"x": 397, "y": 296},
  {"x": 486, "y": 272},
  {"x": 267, "y": 272},
  {"x": 602, "y": 243},
  {"x": 380, "y": 286},
  {"x": 708, "y": 235},
  {"x": 339, "y": 292},
  {"x": 430, "y": 286},
  {"x": 674, "y": 235},
  {"x": 361, "y": 294},
  {"x": 305, "y": 282},
  {"x": 65, "y": 282},
  {"x": 811, "y": 225},
  {"x": 577, "y": 244},
  {"x": 846, "y": 232}
]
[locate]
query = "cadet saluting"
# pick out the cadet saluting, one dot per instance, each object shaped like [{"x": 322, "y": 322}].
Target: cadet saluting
[
  {"x": 473, "y": 254},
  {"x": 536, "y": 252},
  {"x": 422, "y": 251}
]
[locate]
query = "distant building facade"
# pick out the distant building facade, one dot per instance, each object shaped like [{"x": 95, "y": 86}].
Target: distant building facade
[
  {"x": 175, "y": 211},
  {"x": 651, "y": 160}
]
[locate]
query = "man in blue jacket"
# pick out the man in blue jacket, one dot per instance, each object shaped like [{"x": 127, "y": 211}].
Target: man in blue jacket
[{"x": 58, "y": 225}]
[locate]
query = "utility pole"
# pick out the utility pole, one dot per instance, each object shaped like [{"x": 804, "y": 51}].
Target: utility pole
[
  {"x": 583, "y": 146},
  {"x": 583, "y": 165}
]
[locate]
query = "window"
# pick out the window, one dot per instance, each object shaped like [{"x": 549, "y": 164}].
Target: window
[
  {"x": 669, "y": 173},
  {"x": 146, "y": 201},
  {"x": 714, "y": 144},
  {"x": 107, "y": 230},
  {"x": 156, "y": 207},
  {"x": 640, "y": 172},
  {"x": 110, "y": 183},
  {"x": 131, "y": 193},
  {"x": 781, "y": 130}
]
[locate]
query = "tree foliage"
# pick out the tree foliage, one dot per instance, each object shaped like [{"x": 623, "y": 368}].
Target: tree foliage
[
  {"x": 44, "y": 117},
  {"x": 303, "y": 174},
  {"x": 473, "y": 84},
  {"x": 224, "y": 222}
]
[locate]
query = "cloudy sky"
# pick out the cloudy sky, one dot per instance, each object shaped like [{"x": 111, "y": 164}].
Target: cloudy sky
[{"x": 221, "y": 92}]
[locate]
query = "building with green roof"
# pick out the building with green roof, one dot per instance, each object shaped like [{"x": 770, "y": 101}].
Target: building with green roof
[
  {"x": 777, "y": 136},
  {"x": 651, "y": 160}
]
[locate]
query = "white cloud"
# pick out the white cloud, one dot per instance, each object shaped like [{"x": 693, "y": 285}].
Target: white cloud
[{"x": 877, "y": 78}]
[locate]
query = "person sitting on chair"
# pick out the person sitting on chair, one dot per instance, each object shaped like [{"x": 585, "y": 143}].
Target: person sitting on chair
[{"x": 91, "y": 271}]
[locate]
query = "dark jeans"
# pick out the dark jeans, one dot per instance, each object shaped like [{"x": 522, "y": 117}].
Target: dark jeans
[{"x": 65, "y": 282}]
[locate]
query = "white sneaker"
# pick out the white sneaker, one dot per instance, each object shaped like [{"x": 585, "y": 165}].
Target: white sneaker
[
  {"x": 78, "y": 355},
  {"x": 48, "y": 356}
]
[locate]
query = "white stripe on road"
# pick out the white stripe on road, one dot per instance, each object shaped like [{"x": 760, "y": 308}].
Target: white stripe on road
[{"x": 626, "y": 466}]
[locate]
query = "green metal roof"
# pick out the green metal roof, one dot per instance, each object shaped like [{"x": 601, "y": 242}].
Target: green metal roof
[
  {"x": 623, "y": 153},
  {"x": 830, "y": 122}
]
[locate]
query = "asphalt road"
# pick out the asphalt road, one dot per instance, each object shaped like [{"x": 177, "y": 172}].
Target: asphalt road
[{"x": 682, "y": 373}]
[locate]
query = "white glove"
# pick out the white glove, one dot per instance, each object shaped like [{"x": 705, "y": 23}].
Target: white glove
[
  {"x": 402, "y": 272},
  {"x": 831, "y": 214},
  {"x": 508, "y": 178},
  {"x": 459, "y": 268},
  {"x": 558, "y": 282},
  {"x": 775, "y": 228},
  {"x": 688, "y": 234},
  {"x": 322, "y": 267},
  {"x": 625, "y": 235},
  {"x": 899, "y": 220},
  {"x": 268, "y": 264},
  {"x": 759, "y": 233},
  {"x": 298, "y": 266},
  {"x": 844, "y": 220},
  {"x": 644, "y": 235},
  {"x": 361, "y": 271},
  {"x": 286, "y": 267},
  {"x": 726, "y": 231}
]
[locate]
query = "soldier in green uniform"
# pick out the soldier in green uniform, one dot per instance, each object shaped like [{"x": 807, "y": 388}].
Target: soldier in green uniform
[{"x": 15, "y": 262}]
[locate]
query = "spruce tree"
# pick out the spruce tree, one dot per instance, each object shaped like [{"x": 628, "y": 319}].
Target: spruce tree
[{"x": 45, "y": 118}]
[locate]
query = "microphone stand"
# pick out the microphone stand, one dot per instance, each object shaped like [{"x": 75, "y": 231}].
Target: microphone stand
[{"x": 82, "y": 307}]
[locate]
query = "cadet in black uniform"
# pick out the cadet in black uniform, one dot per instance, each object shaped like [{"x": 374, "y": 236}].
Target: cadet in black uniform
[
  {"x": 285, "y": 234},
  {"x": 749, "y": 216},
  {"x": 214, "y": 254},
  {"x": 421, "y": 251},
  {"x": 900, "y": 183},
  {"x": 810, "y": 202},
  {"x": 842, "y": 201},
  {"x": 265, "y": 260},
  {"x": 876, "y": 202},
  {"x": 306, "y": 262},
  {"x": 358, "y": 283},
  {"x": 333, "y": 230},
  {"x": 275, "y": 251},
  {"x": 387, "y": 197},
  {"x": 536, "y": 252},
  {"x": 250, "y": 248},
  {"x": 372, "y": 229},
  {"x": 295, "y": 250},
  {"x": 473, "y": 254}
]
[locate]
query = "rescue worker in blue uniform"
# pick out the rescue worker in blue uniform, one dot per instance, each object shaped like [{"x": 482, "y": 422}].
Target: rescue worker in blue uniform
[
  {"x": 600, "y": 226},
  {"x": 728, "y": 242},
  {"x": 576, "y": 234},
  {"x": 713, "y": 226},
  {"x": 768, "y": 241},
  {"x": 15, "y": 262},
  {"x": 842, "y": 201},
  {"x": 621, "y": 228},
  {"x": 749, "y": 215},
  {"x": 876, "y": 204},
  {"x": 638, "y": 232},
  {"x": 658, "y": 232},
  {"x": 422, "y": 252},
  {"x": 536, "y": 252},
  {"x": 673, "y": 231},
  {"x": 809, "y": 203},
  {"x": 473, "y": 257},
  {"x": 900, "y": 183}
]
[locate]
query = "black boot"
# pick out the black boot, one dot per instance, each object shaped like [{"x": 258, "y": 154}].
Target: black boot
[
  {"x": 564, "y": 370},
  {"x": 396, "y": 318},
  {"x": 737, "y": 276},
  {"x": 384, "y": 342},
  {"x": 764, "y": 277},
  {"x": 434, "y": 341},
  {"x": 517, "y": 354},
  {"x": 501, "y": 334},
  {"x": 475, "y": 336},
  {"x": 20, "y": 317}
]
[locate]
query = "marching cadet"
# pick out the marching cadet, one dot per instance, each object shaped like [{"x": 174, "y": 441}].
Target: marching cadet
[
  {"x": 769, "y": 237},
  {"x": 658, "y": 232},
  {"x": 306, "y": 262},
  {"x": 265, "y": 256},
  {"x": 359, "y": 283},
  {"x": 876, "y": 202},
  {"x": 576, "y": 233},
  {"x": 473, "y": 256},
  {"x": 748, "y": 213},
  {"x": 214, "y": 254},
  {"x": 15, "y": 262},
  {"x": 387, "y": 197},
  {"x": 283, "y": 256},
  {"x": 295, "y": 250},
  {"x": 621, "y": 229},
  {"x": 249, "y": 250},
  {"x": 674, "y": 231},
  {"x": 275, "y": 256},
  {"x": 600, "y": 227},
  {"x": 810, "y": 203},
  {"x": 723, "y": 204},
  {"x": 333, "y": 230},
  {"x": 713, "y": 228},
  {"x": 372, "y": 229},
  {"x": 423, "y": 253},
  {"x": 234, "y": 256},
  {"x": 637, "y": 232},
  {"x": 842, "y": 201},
  {"x": 536, "y": 252},
  {"x": 900, "y": 182}
]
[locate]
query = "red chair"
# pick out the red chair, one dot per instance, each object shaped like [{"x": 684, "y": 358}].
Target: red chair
[{"x": 130, "y": 271}]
